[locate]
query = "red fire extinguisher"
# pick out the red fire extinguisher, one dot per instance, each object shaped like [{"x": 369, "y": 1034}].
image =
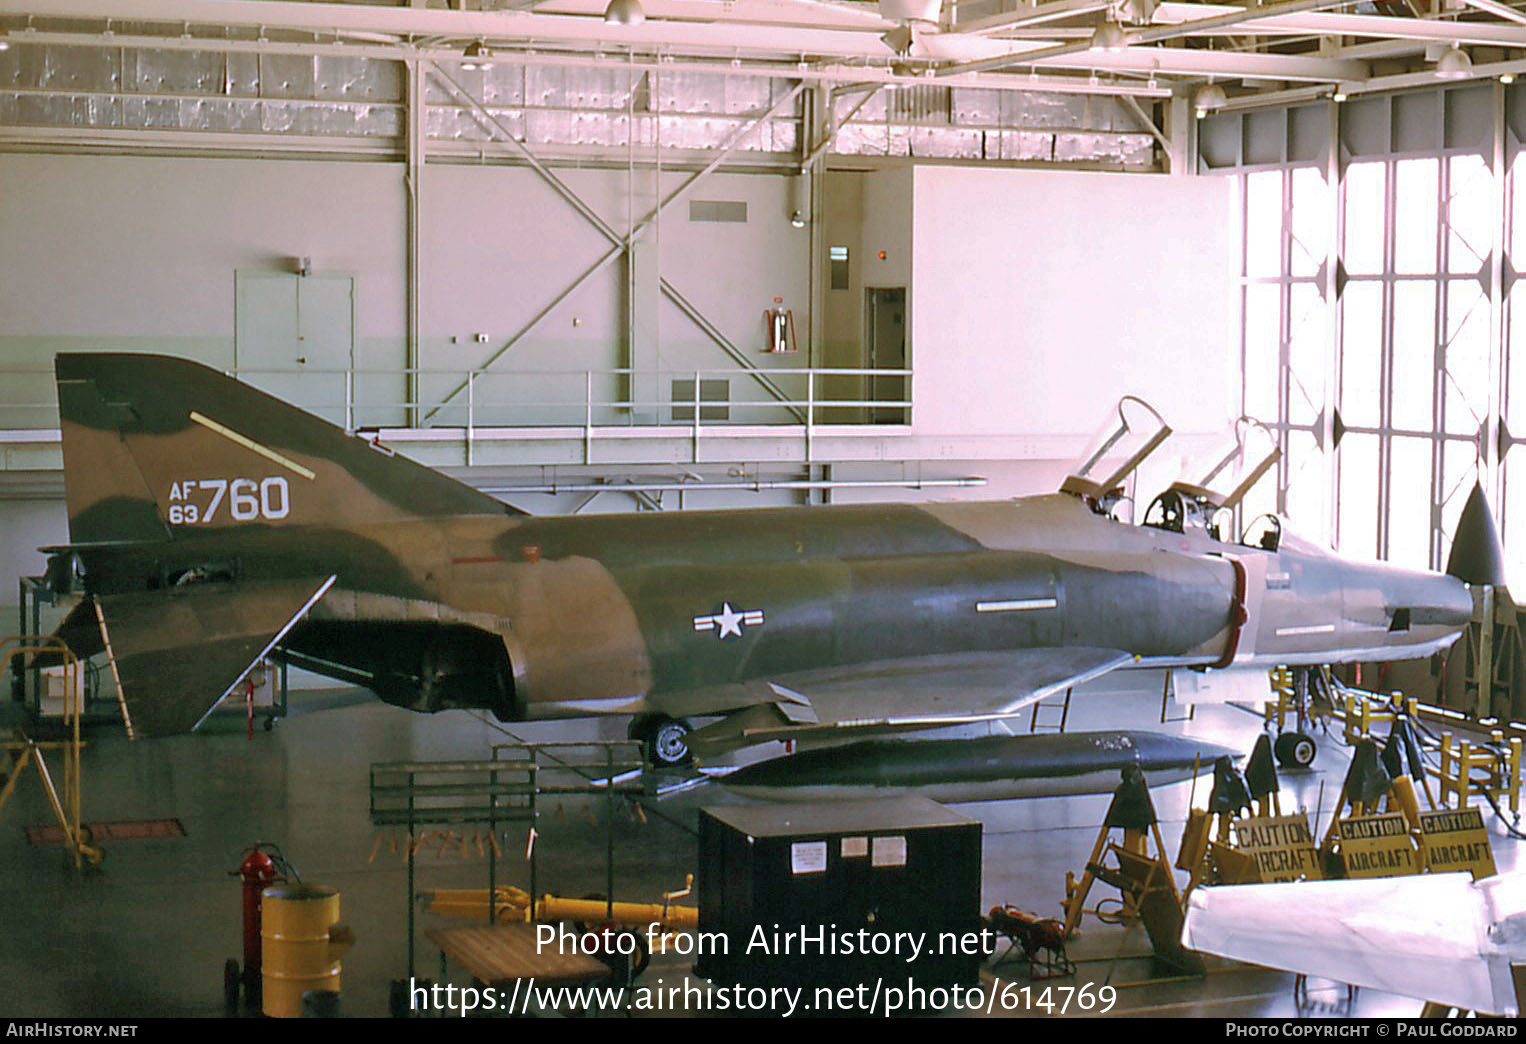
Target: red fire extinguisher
[{"x": 263, "y": 865}]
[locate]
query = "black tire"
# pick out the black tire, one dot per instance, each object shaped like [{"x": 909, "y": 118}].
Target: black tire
[
  {"x": 640, "y": 727},
  {"x": 667, "y": 743},
  {"x": 1295, "y": 750}
]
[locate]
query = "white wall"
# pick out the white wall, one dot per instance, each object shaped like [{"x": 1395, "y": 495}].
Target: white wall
[
  {"x": 115, "y": 246},
  {"x": 1041, "y": 297},
  {"x": 125, "y": 247},
  {"x": 889, "y": 219}
]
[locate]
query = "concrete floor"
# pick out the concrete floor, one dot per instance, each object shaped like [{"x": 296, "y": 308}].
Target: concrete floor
[{"x": 148, "y": 932}]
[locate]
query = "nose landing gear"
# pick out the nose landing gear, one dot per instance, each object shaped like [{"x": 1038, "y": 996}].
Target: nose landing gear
[
  {"x": 1308, "y": 694},
  {"x": 1295, "y": 750}
]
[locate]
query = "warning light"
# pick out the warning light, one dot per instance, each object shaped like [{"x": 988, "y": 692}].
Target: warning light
[{"x": 882, "y": 255}]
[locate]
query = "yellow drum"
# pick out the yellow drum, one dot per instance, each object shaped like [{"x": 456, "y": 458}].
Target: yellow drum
[{"x": 301, "y": 941}]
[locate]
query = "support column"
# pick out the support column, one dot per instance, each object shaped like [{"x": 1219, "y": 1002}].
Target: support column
[
  {"x": 643, "y": 298},
  {"x": 1331, "y": 289},
  {"x": 1181, "y": 130},
  {"x": 814, "y": 126},
  {"x": 414, "y": 73},
  {"x": 1490, "y": 472}
]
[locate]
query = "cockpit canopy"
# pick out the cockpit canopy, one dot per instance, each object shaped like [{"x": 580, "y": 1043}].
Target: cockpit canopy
[
  {"x": 1126, "y": 438},
  {"x": 1206, "y": 503},
  {"x": 1222, "y": 479}
]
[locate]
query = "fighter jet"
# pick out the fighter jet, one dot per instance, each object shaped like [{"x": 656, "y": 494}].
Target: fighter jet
[{"x": 212, "y": 525}]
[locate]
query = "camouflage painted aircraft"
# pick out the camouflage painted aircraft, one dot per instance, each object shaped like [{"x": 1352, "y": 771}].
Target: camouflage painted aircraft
[{"x": 212, "y": 525}]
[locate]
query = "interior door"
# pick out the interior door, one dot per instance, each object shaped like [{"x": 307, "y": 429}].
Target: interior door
[{"x": 885, "y": 349}]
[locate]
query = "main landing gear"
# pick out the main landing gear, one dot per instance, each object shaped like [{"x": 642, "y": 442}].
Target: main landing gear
[{"x": 664, "y": 740}]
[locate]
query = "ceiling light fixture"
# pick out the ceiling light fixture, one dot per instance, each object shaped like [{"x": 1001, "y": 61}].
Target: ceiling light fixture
[
  {"x": 1109, "y": 36},
  {"x": 1507, "y": 78},
  {"x": 1454, "y": 64},
  {"x": 624, "y": 12},
  {"x": 1208, "y": 99},
  {"x": 476, "y": 56}
]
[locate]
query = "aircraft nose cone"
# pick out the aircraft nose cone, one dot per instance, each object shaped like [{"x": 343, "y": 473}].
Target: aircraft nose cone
[{"x": 1476, "y": 555}]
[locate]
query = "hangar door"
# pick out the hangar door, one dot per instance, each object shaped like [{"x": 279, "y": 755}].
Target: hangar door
[{"x": 294, "y": 336}]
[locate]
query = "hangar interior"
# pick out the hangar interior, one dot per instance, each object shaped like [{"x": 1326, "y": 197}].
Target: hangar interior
[{"x": 659, "y": 256}]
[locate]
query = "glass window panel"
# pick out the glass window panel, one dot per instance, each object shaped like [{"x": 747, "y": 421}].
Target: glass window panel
[
  {"x": 1263, "y": 317},
  {"x": 1467, "y": 357},
  {"x": 1263, "y": 223},
  {"x": 1409, "y": 502},
  {"x": 1358, "y": 504},
  {"x": 1308, "y": 487},
  {"x": 1414, "y": 355},
  {"x": 1470, "y": 214},
  {"x": 1517, "y": 191},
  {"x": 1361, "y": 354},
  {"x": 1311, "y": 221},
  {"x": 1363, "y": 253},
  {"x": 1514, "y": 529},
  {"x": 1515, "y": 362},
  {"x": 1459, "y": 470},
  {"x": 1308, "y": 336},
  {"x": 1415, "y": 215}
]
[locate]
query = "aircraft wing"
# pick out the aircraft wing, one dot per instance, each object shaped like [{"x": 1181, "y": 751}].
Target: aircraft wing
[
  {"x": 176, "y": 652},
  {"x": 1431, "y": 937},
  {"x": 889, "y": 696}
]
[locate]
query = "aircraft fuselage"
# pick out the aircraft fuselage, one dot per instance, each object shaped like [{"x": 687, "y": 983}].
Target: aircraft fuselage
[{"x": 615, "y": 613}]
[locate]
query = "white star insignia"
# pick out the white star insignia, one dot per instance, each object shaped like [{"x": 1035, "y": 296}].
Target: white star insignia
[{"x": 729, "y": 621}]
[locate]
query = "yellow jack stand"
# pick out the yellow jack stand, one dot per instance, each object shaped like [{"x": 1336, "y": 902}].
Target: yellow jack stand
[
  {"x": 1145, "y": 880},
  {"x": 1207, "y": 851}
]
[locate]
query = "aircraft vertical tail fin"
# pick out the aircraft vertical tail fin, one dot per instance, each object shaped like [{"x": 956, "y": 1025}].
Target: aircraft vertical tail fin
[{"x": 156, "y": 447}]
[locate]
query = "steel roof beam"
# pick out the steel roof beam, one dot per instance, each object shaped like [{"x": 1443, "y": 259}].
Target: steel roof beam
[
  {"x": 1106, "y": 59},
  {"x": 693, "y": 39}
]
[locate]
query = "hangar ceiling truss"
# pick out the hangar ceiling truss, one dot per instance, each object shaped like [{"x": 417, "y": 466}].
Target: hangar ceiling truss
[{"x": 1151, "y": 50}]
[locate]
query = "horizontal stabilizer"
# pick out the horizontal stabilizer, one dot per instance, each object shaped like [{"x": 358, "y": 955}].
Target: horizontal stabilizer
[{"x": 176, "y": 653}]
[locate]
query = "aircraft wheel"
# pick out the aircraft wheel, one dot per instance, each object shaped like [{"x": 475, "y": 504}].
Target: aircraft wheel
[
  {"x": 1295, "y": 750},
  {"x": 667, "y": 743}
]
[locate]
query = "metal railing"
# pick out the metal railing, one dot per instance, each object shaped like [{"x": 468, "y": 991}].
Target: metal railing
[{"x": 478, "y": 404}]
